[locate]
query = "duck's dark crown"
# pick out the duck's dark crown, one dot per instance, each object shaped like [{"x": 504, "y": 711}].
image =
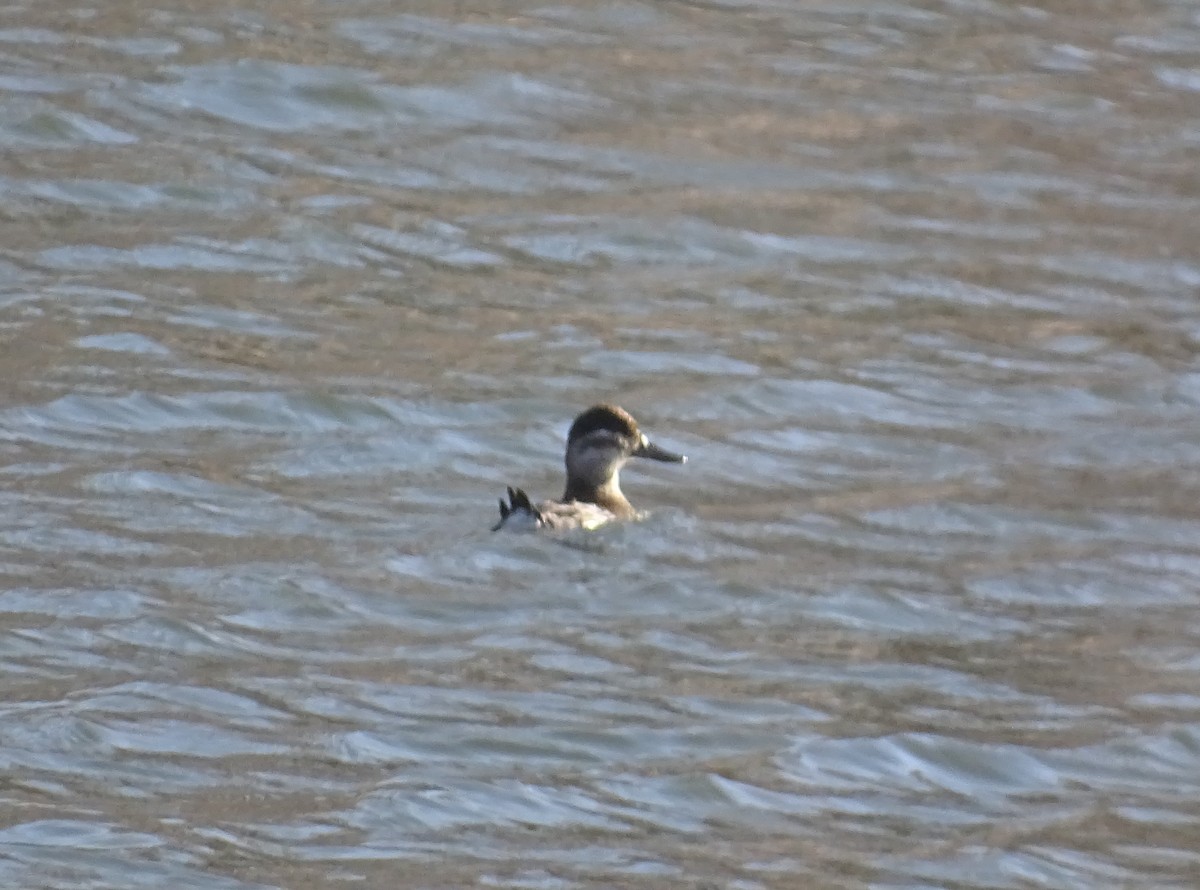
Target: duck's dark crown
[{"x": 603, "y": 417}]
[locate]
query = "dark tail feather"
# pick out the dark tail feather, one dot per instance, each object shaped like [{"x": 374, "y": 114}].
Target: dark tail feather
[{"x": 518, "y": 501}]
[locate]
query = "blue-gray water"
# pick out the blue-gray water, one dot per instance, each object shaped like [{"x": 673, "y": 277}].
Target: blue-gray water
[{"x": 289, "y": 292}]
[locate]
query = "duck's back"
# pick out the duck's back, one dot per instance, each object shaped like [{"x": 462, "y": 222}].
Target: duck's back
[
  {"x": 520, "y": 514},
  {"x": 573, "y": 514}
]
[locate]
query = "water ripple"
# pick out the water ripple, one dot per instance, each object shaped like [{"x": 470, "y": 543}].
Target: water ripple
[{"x": 290, "y": 295}]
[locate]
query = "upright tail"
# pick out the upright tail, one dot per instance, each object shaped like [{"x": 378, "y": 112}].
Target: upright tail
[{"x": 519, "y": 510}]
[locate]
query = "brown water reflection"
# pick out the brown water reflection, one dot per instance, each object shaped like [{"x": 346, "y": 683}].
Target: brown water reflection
[{"x": 289, "y": 295}]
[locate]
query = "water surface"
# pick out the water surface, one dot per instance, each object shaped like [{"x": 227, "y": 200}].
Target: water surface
[{"x": 289, "y": 294}]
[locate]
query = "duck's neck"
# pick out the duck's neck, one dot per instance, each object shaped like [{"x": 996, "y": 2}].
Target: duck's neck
[{"x": 607, "y": 495}]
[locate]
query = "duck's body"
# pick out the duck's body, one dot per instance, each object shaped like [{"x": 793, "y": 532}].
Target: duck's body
[
  {"x": 520, "y": 514},
  {"x": 602, "y": 439}
]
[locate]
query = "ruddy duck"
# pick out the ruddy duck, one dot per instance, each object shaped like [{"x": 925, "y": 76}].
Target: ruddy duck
[{"x": 602, "y": 439}]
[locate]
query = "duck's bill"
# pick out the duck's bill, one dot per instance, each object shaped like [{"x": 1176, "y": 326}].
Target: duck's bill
[{"x": 653, "y": 452}]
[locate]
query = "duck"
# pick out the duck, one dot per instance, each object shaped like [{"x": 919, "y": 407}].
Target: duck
[{"x": 601, "y": 441}]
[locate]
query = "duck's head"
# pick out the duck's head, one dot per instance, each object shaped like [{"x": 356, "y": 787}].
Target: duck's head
[{"x": 602, "y": 439}]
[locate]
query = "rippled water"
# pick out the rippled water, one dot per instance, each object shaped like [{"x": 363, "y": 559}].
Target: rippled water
[{"x": 290, "y": 292}]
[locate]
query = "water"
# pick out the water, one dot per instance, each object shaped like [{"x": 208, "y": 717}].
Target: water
[{"x": 289, "y": 293}]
